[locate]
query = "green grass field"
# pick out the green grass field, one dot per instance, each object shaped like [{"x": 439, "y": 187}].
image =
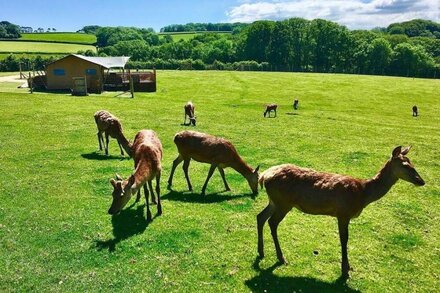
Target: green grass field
[
  {"x": 187, "y": 35},
  {"x": 41, "y": 47},
  {"x": 87, "y": 39},
  {"x": 32, "y": 55},
  {"x": 56, "y": 235}
]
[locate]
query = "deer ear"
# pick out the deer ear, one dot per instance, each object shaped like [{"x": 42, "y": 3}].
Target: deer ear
[
  {"x": 406, "y": 150},
  {"x": 133, "y": 187},
  {"x": 397, "y": 151},
  {"x": 119, "y": 177},
  {"x": 256, "y": 169},
  {"x": 113, "y": 182}
]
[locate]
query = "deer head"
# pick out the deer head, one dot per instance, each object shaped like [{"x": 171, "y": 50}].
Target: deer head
[
  {"x": 122, "y": 192},
  {"x": 253, "y": 181},
  {"x": 402, "y": 167}
]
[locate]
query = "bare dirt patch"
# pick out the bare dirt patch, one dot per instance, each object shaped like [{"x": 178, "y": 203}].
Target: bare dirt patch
[{"x": 12, "y": 78}]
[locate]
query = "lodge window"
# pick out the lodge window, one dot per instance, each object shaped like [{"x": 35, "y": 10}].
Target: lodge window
[
  {"x": 91, "y": 71},
  {"x": 59, "y": 71}
]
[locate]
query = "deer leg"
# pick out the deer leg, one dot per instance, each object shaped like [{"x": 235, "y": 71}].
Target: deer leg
[
  {"x": 274, "y": 221},
  {"x": 99, "y": 140},
  {"x": 138, "y": 196},
  {"x": 120, "y": 147},
  {"x": 222, "y": 173},
  {"x": 107, "y": 140},
  {"x": 262, "y": 217},
  {"x": 159, "y": 205},
  {"x": 153, "y": 198},
  {"x": 146, "y": 203},
  {"x": 176, "y": 162},
  {"x": 343, "y": 237},
  {"x": 210, "y": 172},
  {"x": 185, "y": 170}
]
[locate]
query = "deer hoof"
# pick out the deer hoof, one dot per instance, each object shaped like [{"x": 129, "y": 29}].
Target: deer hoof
[
  {"x": 283, "y": 261},
  {"x": 345, "y": 268}
]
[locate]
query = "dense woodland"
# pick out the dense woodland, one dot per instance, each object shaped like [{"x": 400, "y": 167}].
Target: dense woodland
[
  {"x": 9, "y": 30},
  {"x": 405, "y": 49},
  {"x": 204, "y": 27}
]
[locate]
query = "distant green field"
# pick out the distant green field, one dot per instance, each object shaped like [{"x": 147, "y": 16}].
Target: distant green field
[
  {"x": 30, "y": 55},
  {"x": 56, "y": 235},
  {"x": 87, "y": 39},
  {"x": 187, "y": 35},
  {"x": 41, "y": 47}
]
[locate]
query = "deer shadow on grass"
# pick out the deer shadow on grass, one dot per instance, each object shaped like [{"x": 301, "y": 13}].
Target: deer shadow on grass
[
  {"x": 102, "y": 157},
  {"x": 198, "y": 198},
  {"x": 129, "y": 222},
  {"x": 267, "y": 281}
]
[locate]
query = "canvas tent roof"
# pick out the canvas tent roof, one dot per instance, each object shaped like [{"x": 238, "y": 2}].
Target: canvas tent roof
[{"x": 106, "y": 62}]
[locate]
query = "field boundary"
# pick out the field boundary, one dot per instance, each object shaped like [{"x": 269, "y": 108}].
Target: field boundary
[{"x": 38, "y": 41}]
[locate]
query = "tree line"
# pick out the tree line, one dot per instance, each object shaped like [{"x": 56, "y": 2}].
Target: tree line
[
  {"x": 404, "y": 49},
  {"x": 9, "y": 30},
  {"x": 294, "y": 44},
  {"x": 204, "y": 27}
]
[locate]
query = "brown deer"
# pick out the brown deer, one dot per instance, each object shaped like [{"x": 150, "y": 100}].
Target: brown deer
[
  {"x": 147, "y": 154},
  {"x": 111, "y": 126},
  {"x": 335, "y": 195},
  {"x": 216, "y": 151},
  {"x": 189, "y": 111},
  {"x": 269, "y": 109}
]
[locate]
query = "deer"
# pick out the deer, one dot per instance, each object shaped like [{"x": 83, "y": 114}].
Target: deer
[
  {"x": 111, "y": 126},
  {"x": 335, "y": 195},
  {"x": 147, "y": 154},
  {"x": 415, "y": 111},
  {"x": 189, "y": 111},
  {"x": 295, "y": 104},
  {"x": 216, "y": 151},
  {"x": 269, "y": 109}
]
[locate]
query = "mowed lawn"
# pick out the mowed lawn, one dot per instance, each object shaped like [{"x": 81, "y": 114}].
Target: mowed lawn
[
  {"x": 42, "y": 47},
  {"x": 56, "y": 235},
  {"x": 79, "y": 38}
]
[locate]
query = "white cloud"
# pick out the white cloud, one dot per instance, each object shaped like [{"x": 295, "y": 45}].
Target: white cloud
[{"x": 352, "y": 13}]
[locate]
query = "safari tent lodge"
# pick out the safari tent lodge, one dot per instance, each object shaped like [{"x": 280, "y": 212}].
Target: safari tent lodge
[{"x": 100, "y": 74}]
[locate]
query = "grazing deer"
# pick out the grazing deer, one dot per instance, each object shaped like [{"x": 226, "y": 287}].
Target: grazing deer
[
  {"x": 270, "y": 108},
  {"x": 335, "y": 195},
  {"x": 189, "y": 111},
  {"x": 295, "y": 104},
  {"x": 147, "y": 154},
  {"x": 216, "y": 151},
  {"x": 415, "y": 111},
  {"x": 111, "y": 126}
]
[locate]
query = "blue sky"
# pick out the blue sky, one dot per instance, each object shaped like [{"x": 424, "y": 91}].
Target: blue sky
[{"x": 73, "y": 15}]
